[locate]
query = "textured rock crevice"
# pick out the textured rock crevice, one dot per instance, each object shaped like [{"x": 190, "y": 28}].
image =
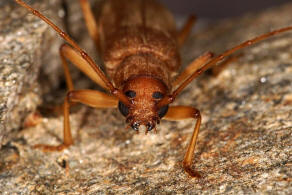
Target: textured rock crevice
[{"x": 24, "y": 42}]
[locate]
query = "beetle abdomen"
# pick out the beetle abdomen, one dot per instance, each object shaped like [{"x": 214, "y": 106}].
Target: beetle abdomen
[{"x": 138, "y": 28}]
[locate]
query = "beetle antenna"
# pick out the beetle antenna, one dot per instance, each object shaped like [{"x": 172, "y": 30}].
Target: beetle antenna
[
  {"x": 171, "y": 98},
  {"x": 83, "y": 54}
]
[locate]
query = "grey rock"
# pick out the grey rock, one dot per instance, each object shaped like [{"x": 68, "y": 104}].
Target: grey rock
[{"x": 24, "y": 42}]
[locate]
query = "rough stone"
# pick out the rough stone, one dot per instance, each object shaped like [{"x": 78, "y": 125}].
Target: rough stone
[
  {"x": 23, "y": 42},
  {"x": 244, "y": 146}
]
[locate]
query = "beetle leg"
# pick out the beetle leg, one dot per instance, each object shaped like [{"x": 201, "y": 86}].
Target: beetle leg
[
  {"x": 190, "y": 69},
  {"x": 91, "y": 98},
  {"x": 183, "y": 112},
  {"x": 72, "y": 55},
  {"x": 199, "y": 62},
  {"x": 94, "y": 67},
  {"x": 216, "y": 70},
  {"x": 185, "y": 31},
  {"x": 213, "y": 61},
  {"x": 89, "y": 20}
]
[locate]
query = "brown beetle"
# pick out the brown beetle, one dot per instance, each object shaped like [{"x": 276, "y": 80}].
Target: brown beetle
[{"x": 139, "y": 44}]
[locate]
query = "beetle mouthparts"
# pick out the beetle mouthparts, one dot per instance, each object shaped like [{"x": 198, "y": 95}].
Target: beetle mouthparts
[{"x": 135, "y": 126}]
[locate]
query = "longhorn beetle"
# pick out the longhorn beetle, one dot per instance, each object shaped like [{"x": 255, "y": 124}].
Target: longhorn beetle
[{"x": 139, "y": 44}]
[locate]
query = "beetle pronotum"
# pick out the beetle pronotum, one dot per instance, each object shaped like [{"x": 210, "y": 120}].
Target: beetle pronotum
[{"x": 139, "y": 45}]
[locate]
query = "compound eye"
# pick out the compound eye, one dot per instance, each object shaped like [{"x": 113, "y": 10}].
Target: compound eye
[
  {"x": 123, "y": 109},
  {"x": 162, "y": 111},
  {"x": 130, "y": 94},
  {"x": 157, "y": 95}
]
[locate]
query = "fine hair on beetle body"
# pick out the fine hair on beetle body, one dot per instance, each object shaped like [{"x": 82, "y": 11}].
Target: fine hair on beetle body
[{"x": 139, "y": 45}]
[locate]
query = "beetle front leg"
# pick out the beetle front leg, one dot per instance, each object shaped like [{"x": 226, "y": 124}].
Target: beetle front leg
[
  {"x": 91, "y": 98},
  {"x": 180, "y": 113}
]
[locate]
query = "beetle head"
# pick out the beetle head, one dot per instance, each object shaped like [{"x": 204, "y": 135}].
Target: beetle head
[{"x": 144, "y": 92}]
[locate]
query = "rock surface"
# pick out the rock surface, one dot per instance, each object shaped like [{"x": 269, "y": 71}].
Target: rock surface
[
  {"x": 23, "y": 42},
  {"x": 244, "y": 145}
]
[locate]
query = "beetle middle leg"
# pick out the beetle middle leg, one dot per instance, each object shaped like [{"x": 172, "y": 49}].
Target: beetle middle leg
[
  {"x": 67, "y": 52},
  {"x": 180, "y": 113},
  {"x": 89, "y": 20},
  {"x": 185, "y": 31},
  {"x": 199, "y": 62},
  {"x": 216, "y": 70},
  {"x": 89, "y": 97},
  {"x": 190, "y": 69}
]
